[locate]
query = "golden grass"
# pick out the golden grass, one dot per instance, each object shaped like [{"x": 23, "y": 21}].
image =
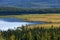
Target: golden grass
[
  {"x": 44, "y": 25},
  {"x": 40, "y": 17},
  {"x": 37, "y": 17}
]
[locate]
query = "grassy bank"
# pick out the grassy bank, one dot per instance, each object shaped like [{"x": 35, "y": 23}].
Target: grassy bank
[
  {"x": 37, "y": 17},
  {"x": 46, "y": 26},
  {"x": 40, "y": 17}
]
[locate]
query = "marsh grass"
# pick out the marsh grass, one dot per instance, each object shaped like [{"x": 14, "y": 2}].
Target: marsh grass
[
  {"x": 46, "y": 26},
  {"x": 37, "y": 17},
  {"x": 40, "y": 17}
]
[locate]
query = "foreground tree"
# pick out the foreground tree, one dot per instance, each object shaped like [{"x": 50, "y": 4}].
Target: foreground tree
[{"x": 1, "y": 37}]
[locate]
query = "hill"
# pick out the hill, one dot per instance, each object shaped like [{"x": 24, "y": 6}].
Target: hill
[{"x": 18, "y": 11}]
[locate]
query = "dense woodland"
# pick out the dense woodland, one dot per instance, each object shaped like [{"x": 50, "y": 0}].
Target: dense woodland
[
  {"x": 17, "y": 11},
  {"x": 23, "y": 33}
]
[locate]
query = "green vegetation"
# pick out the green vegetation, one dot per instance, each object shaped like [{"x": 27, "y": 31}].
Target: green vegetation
[
  {"x": 18, "y": 11},
  {"x": 49, "y": 31},
  {"x": 28, "y": 9},
  {"x": 23, "y": 33}
]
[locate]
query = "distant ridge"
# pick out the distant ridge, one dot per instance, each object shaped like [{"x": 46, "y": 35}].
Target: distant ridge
[
  {"x": 18, "y": 11},
  {"x": 19, "y": 8}
]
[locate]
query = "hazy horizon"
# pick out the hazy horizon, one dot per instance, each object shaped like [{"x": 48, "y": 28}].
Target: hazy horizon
[{"x": 30, "y": 3}]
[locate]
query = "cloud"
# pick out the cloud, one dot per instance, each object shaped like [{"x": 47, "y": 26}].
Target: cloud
[
  {"x": 31, "y": 3},
  {"x": 45, "y": 4}
]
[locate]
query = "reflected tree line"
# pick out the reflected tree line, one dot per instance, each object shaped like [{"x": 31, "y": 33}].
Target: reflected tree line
[{"x": 25, "y": 33}]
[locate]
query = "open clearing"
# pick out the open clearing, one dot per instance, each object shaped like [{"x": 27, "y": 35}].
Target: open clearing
[{"x": 40, "y": 17}]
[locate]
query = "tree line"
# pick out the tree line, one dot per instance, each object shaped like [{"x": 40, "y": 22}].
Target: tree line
[
  {"x": 19, "y": 11},
  {"x": 25, "y": 33}
]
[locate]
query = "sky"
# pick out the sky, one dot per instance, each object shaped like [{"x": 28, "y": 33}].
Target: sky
[{"x": 31, "y": 3}]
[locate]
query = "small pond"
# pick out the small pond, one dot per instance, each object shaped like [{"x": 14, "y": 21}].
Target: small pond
[{"x": 12, "y": 23}]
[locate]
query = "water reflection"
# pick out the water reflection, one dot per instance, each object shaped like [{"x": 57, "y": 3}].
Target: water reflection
[{"x": 11, "y": 23}]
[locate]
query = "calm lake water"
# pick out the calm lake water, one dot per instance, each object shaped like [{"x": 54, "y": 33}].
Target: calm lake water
[{"x": 12, "y": 23}]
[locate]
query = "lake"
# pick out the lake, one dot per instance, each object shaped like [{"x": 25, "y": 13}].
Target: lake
[{"x": 13, "y": 23}]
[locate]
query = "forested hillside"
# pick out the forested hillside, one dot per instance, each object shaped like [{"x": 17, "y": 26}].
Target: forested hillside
[
  {"x": 16, "y": 11},
  {"x": 24, "y": 33}
]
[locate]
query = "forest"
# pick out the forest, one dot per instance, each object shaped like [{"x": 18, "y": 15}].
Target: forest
[
  {"x": 25, "y": 33},
  {"x": 18, "y": 11}
]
